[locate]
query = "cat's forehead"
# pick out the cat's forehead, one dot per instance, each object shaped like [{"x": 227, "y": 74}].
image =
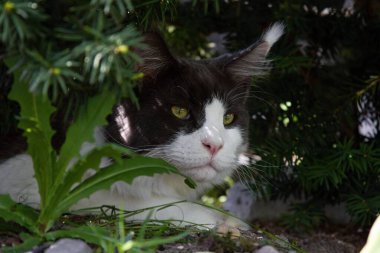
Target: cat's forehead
[
  {"x": 229, "y": 74},
  {"x": 199, "y": 81},
  {"x": 205, "y": 72}
]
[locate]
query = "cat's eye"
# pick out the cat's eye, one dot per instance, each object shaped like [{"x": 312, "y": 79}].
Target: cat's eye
[
  {"x": 180, "y": 112},
  {"x": 228, "y": 119}
]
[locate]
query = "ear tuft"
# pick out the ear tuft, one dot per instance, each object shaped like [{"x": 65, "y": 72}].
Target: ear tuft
[
  {"x": 156, "y": 56},
  {"x": 274, "y": 33},
  {"x": 252, "y": 61}
]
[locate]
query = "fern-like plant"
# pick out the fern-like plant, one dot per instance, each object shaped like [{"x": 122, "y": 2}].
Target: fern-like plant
[{"x": 55, "y": 52}]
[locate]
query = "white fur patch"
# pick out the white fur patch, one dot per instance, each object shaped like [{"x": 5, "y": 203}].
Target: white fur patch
[
  {"x": 274, "y": 33},
  {"x": 188, "y": 153},
  {"x": 122, "y": 122}
]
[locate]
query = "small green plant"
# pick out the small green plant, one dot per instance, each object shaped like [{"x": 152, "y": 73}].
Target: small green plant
[
  {"x": 137, "y": 242},
  {"x": 57, "y": 181},
  {"x": 115, "y": 237},
  {"x": 303, "y": 217}
]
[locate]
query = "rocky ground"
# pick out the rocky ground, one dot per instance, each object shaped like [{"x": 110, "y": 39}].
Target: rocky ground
[{"x": 326, "y": 239}]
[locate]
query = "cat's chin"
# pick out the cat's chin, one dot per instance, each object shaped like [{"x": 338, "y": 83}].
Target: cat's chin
[{"x": 202, "y": 174}]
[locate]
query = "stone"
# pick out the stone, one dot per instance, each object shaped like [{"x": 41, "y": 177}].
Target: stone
[
  {"x": 67, "y": 245},
  {"x": 267, "y": 249}
]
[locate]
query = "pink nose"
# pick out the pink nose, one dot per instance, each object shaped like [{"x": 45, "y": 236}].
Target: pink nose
[{"x": 213, "y": 148}]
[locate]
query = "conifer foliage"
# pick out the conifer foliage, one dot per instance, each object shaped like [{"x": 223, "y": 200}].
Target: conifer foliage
[
  {"x": 315, "y": 120},
  {"x": 70, "y": 50}
]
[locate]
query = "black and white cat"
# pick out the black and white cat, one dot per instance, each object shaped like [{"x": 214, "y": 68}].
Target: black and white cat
[{"x": 192, "y": 114}]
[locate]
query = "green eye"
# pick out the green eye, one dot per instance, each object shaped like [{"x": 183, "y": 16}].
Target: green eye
[
  {"x": 228, "y": 118},
  {"x": 180, "y": 112}
]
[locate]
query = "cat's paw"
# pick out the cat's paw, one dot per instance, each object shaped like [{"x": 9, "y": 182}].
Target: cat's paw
[
  {"x": 226, "y": 230},
  {"x": 234, "y": 222},
  {"x": 232, "y": 226}
]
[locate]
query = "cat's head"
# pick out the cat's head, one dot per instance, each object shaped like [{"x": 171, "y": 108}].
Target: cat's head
[{"x": 193, "y": 113}]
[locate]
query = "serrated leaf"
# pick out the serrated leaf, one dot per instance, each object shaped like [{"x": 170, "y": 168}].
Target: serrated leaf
[
  {"x": 9, "y": 226},
  {"x": 28, "y": 243},
  {"x": 98, "y": 107},
  {"x": 91, "y": 160},
  {"x": 35, "y": 121},
  {"x": 126, "y": 171},
  {"x": 21, "y": 214}
]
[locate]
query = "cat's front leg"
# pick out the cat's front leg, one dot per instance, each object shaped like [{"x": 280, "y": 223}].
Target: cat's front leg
[
  {"x": 189, "y": 213},
  {"x": 185, "y": 213}
]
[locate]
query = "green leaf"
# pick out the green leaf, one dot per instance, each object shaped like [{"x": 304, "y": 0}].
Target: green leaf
[
  {"x": 9, "y": 227},
  {"x": 81, "y": 130},
  {"x": 35, "y": 121},
  {"x": 190, "y": 182},
  {"x": 21, "y": 214},
  {"x": 28, "y": 243},
  {"x": 91, "y": 234},
  {"x": 90, "y": 161},
  {"x": 159, "y": 241},
  {"x": 126, "y": 170},
  {"x": 99, "y": 235}
]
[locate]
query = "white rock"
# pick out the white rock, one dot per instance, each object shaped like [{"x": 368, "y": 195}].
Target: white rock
[
  {"x": 239, "y": 201},
  {"x": 248, "y": 205},
  {"x": 69, "y": 246},
  {"x": 267, "y": 249}
]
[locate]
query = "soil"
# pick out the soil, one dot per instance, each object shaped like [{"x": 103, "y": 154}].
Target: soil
[{"x": 326, "y": 239}]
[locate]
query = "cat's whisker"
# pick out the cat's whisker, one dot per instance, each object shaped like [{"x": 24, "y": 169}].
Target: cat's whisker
[
  {"x": 269, "y": 166},
  {"x": 232, "y": 98},
  {"x": 242, "y": 179},
  {"x": 231, "y": 92},
  {"x": 264, "y": 178},
  {"x": 237, "y": 99},
  {"x": 252, "y": 178}
]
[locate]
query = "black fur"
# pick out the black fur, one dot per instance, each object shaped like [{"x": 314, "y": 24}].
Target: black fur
[{"x": 169, "y": 81}]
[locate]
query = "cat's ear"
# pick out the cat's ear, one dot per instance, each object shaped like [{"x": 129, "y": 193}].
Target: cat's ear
[
  {"x": 156, "y": 55},
  {"x": 252, "y": 61}
]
